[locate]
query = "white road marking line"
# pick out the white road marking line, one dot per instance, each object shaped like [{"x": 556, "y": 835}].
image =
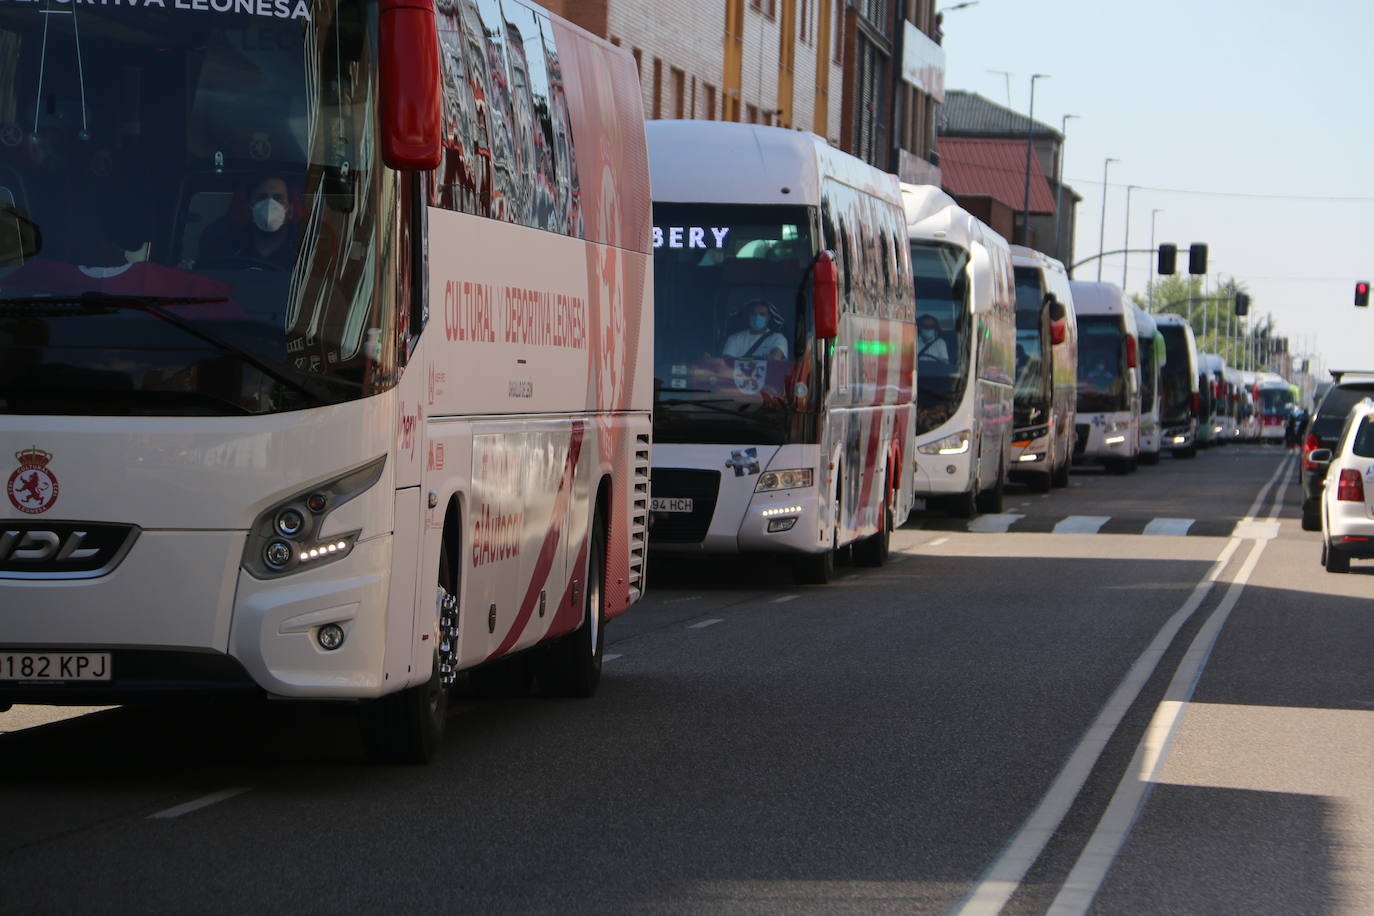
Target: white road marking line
[
  {"x": 937, "y": 542},
  {"x": 995, "y": 523},
  {"x": 703, "y": 624},
  {"x": 204, "y": 801},
  {"x": 782, "y": 598},
  {"x": 1113, "y": 830},
  {"x": 610, "y": 657},
  {"x": 1004, "y": 875},
  {"x": 1081, "y": 524},
  {"x": 1172, "y": 526}
]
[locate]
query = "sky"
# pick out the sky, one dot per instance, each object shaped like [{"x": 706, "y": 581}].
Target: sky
[{"x": 1249, "y": 124}]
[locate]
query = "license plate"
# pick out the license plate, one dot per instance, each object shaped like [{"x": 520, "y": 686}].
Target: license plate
[
  {"x": 54, "y": 667},
  {"x": 670, "y": 504}
]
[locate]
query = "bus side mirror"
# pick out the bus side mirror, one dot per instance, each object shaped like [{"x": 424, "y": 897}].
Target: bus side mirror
[
  {"x": 409, "y": 85},
  {"x": 1132, "y": 353},
  {"x": 825, "y": 296},
  {"x": 1058, "y": 331},
  {"x": 1054, "y": 308}
]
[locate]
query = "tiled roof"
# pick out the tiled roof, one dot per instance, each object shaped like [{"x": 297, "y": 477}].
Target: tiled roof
[
  {"x": 993, "y": 168},
  {"x": 968, "y": 114}
]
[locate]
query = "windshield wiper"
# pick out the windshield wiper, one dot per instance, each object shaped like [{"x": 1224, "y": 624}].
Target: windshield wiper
[{"x": 153, "y": 305}]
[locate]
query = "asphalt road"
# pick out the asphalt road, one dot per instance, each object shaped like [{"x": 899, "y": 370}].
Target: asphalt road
[{"x": 1023, "y": 720}]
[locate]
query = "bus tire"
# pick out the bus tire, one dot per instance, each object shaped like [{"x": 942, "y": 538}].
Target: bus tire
[
  {"x": 961, "y": 505},
  {"x": 814, "y": 568},
  {"x": 1039, "y": 483},
  {"x": 1150, "y": 458},
  {"x": 570, "y": 666},
  {"x": 1060, "y": 477},
  {"x": 872, "y": 551},
  {"x": 408, "y": 726},
  {"x": 991, "y": 500}
]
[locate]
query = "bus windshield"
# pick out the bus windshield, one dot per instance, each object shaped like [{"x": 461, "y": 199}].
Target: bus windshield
[
  {"x": 1175, "y": 376},
  {"x": 1032, "y": 397},
  {"x": 204, "y": 206},
  {"x": 1275, "y": 401},
  {"x": 943, "y": 323},
  {"x": 731, "y": 343},
  {"x": 1101, "y": 361}
]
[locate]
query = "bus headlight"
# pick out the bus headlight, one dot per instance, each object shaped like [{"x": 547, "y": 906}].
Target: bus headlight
[
  {"x": 789, "y": 479},
  {"x": 956, "y": 444},
  {"x": 286, "y": 536}
]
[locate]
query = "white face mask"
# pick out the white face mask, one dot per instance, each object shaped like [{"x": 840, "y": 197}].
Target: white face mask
[{"x": 268, "y": 215}]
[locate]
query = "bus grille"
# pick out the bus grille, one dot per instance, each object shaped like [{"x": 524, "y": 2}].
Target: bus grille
[
  {"x": 639, "y": 517},
  {"x": 685, "y": 527}
]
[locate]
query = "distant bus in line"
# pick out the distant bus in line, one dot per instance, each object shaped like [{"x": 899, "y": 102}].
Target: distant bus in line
[
  {"x": 1275, "y": 399},
  {"x": 1108, "y": 429},
  {"x": 785, "y": 347},
  {"x": 1046, "y": 395},
  {"x": 965, "y": 354},
  {"x": 1179, "y": 404},
  {"x": 1152, "y": 355}
]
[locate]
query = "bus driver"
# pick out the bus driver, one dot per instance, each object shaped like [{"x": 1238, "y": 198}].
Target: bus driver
[{"x": 759, "y": 339}]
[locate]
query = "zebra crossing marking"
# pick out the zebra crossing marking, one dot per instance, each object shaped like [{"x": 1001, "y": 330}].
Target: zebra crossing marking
[
  {"x": 1169, "y": 526},
  {"x": 1081, "y": 524}
]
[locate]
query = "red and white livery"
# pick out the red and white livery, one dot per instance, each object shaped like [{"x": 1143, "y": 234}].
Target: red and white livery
[{"x": 347, "y": 383}]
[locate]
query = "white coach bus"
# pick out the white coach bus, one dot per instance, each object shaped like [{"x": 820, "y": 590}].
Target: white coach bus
[
  {"x": 330, "y": 378},
  {"x": 1151, "y": 354},
  {"x": 1180, "y": 402},
  {"x": 784, "y": 349},
  {"x": 965, "y": 353},
  {"x": 1108, "y": 378},
  {"x": 1046, "y": 372}
]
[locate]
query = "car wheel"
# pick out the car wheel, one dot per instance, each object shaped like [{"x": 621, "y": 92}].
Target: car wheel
[
  {"x": 1311, "y": 521},
  {"x": 1334, "y": 560}
]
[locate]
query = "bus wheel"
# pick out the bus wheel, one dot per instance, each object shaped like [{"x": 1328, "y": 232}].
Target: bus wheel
[
  {"x": 814, "y": 568},
  {"x": 408, "y": 726},
  {"x": 990, "y": 500},
  {"x": 570, "y": 666},
  {"x": 961, "y": 505},
  {"x": 872, "y": 550},
  {"x": 1149, "y": 458},
  {"x": 1060, "y": 477}
]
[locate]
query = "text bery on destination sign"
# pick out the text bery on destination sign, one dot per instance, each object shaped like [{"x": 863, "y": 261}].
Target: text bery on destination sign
[{"x": 690, "y": 236}]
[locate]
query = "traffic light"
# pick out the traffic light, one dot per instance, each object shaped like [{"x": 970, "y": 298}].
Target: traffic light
[
  {"x": 1197, "y": 258},
  {"x": 1168, "y": 258},
  {"x": 1362, "y": 293},
  {"x": 1242, "y": 303}
]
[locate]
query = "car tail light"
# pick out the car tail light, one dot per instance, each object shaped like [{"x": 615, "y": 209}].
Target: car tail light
[
  {"x": 1351, "y": 487},
  {"x": 1308, "y": 446}
]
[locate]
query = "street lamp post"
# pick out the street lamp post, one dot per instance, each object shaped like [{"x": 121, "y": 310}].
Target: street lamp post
[
  {"x": 1030, "y": 147},
  {"x": 1059, "y": 186},
  {"x": 1126, "y": 255},
  {"x": 1102, "y": 230},
  {"x": 1150, "y": 290}
]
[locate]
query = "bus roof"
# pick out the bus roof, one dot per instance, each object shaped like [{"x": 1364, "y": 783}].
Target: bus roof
[
  {"x": 1092, "y": 298},
  {"x": 933, "y": 214},
  {"x": 1171, "y": 319},
  {"x": 1144, "y": 323},
  {"x": 724, "y": 162}
]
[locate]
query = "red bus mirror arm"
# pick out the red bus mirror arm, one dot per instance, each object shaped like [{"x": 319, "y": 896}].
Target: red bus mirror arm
[
  {"x": 410, "y": 94},
  {"x": 825, "y": 296}
]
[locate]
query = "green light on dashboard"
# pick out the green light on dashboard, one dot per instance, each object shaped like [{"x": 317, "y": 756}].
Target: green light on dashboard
[{"x": 872, "y": 348}]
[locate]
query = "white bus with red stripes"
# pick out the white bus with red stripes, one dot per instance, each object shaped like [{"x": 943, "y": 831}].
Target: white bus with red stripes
[
  {"x": 966, "y": 353},
  {"x": 784, "y": 348},
  {"x": 330, "y": 377}
]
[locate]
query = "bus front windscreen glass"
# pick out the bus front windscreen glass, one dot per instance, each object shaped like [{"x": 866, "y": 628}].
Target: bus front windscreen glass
[
  {"x": 732, "y": 362},
  {"x": 189, "y": 209},
  {"x": 942, "y": 325},
  {"x": 1275, "y": 401},
  {"x": 1033, "y": 370},
  {"x": 1101, "y": 364},
  {"x": 1176, "y": 376}
]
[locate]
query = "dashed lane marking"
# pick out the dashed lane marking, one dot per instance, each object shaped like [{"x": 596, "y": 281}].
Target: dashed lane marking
[
  {"x": 703, "y": 624},
  {"x": 1081, "y": 524},
  {"x": 204, "y": 801}
]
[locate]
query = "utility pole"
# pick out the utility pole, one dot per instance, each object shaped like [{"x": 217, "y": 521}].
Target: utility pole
[
  {"x": 1030, "y": 147},
  {"x": 1059, "y": 187},
  {"x": 1102, "y": 229}
]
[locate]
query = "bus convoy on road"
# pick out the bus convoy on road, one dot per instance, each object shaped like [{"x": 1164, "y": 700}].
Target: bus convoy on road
[{"x": 412, "y": 383}]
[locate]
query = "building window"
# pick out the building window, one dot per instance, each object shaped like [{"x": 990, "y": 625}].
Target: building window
[
  {"x": 751, "y": 114},
  {"x": 678, "y": 84},
  {"x": 710, "y": 102},
  {"x": 870, "y": 131},
  {"x": 658, "y": 88},
  {"x": 804, "y": 21},
  {"x": 837, "y": 35}
]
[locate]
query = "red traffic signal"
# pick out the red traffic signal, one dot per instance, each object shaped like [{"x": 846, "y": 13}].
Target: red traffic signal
[{"x": 1362, "y": 293}]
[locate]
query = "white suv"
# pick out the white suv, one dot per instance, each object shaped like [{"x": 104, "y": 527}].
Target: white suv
[{"x": 1347, "y": 499}]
